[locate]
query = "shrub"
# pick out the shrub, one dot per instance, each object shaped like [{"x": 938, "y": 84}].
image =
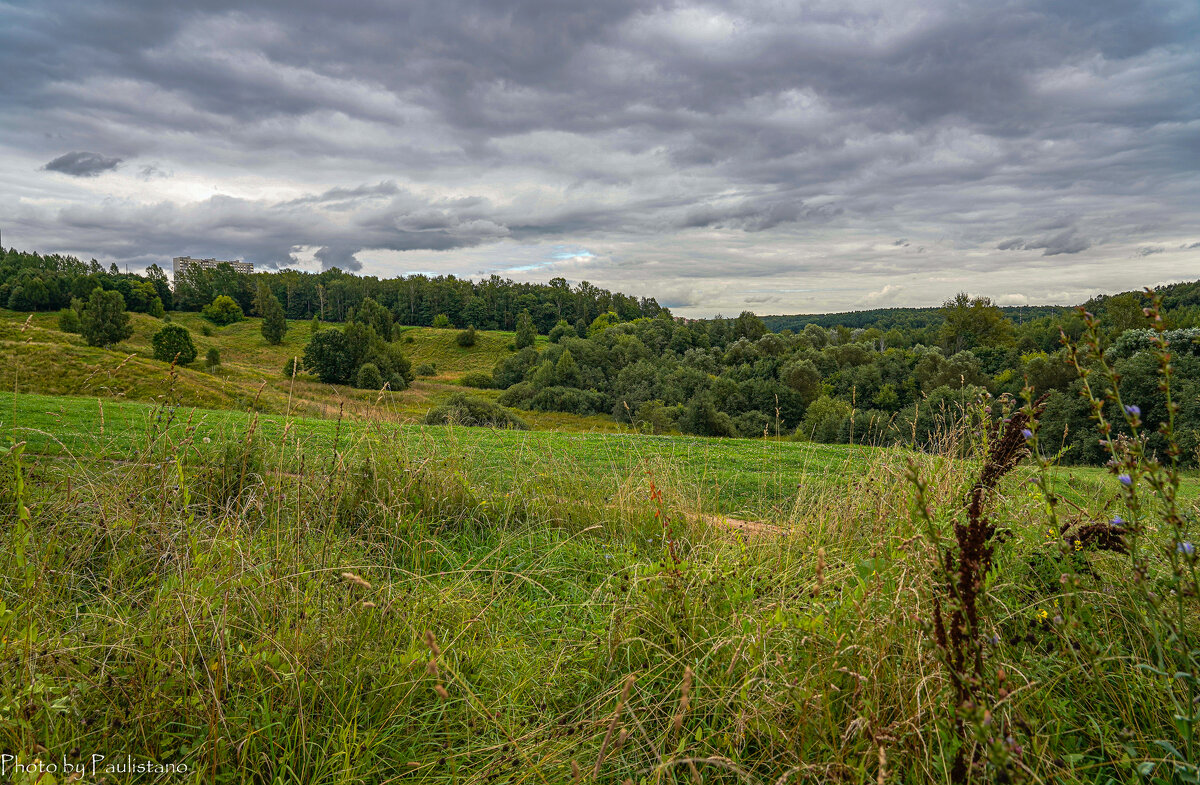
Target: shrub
[
  {"x": 206, "y": 331},
  {"x": 701, "y": 416},
  {"x": 477, "y": 379},
  {"x": 461, "y": 409},
  {"x": 426, "y": 369},
  {"x": 368, "y": 377},
  {"x": 568, "y": 399},
  {"x": 293, "y": 367},
  {"x": 68, "y": 320},
  {"x": 441, "y": 321},
  {"x": 466, "y": 338},
  {"x": 104, "y": 321},
  {"x": 652, "y": 417},
  {"x": 823, "y": 420},
  {"x": 396, "y": 383},
  {"x": 212, "y": 358},
  {"x": 314, "y": 326},
  {"x": 173, "y": 343},
  {"x": 222, "y": 311}
]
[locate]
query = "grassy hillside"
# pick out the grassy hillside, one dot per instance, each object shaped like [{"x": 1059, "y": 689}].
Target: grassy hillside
[{"x": 36, "y": 357}]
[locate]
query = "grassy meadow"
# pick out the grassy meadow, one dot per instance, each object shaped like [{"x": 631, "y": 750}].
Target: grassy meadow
[{"x": 258, "y": 582}]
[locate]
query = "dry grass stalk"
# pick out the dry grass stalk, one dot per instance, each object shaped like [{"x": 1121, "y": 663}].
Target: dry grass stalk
[
  {"x": 612, "y": 724},
  {"x": 357, "y": 580},
  {"x": 685, "y": 690}
]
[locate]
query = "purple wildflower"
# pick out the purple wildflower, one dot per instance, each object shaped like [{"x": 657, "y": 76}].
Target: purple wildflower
[
  {"x": 1133, "y": 411},
  {"x": 1028, "y": 434},
  {"x": 1186, "y": 548},
  {"x": 1125, "y": 479},
  {"x": 1118, "y": 521}
]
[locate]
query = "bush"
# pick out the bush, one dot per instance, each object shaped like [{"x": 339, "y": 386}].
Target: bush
[
  {"x": 104, "y": 321},
  {"x": 823, "y": 420},
  {"x": 396, "y": 383},
  {"x": 293, "y": 367},
  {"x": 173, "y": 343},
  {"x": 212, "y": 358},
  {"x": 368, "y": 377},
  {"x": 68, "y": 321},
  {"x": 652, "y": 417},
  {"x": 426, "y": 369},
  {"x": 461, "y": 409},
  {"x": 206, "y": 331},
  {"x": 441, "y": 321},
  {"x": 222, "y": 311},
  {"x": 466, "y": 338},
  {"x": 477, "y": 379},
  {"x": 568, "y": 399}
]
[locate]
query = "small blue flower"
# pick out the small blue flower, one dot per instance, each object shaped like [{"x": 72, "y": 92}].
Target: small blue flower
[
  {"x": 1186, "y": 548},
  {"x": 1133, "y": 411},
  {"x": 1125, "y": 479},
  {"x": 1118, "y": 521},
  {"x": 1028, "y": 434}
]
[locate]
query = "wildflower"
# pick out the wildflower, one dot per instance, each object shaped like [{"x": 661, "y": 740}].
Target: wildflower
[
  {"x": 1118, "y": 521},
  {"x": 1125, "y": 479},
  {"x": 1028, "y": 434},
  {"x": 1042, "y": 615},
  {"x": 1133, "y": 411},
  {"x": 1186, "y": 548},
  {"x": 1078, "y": 545}
]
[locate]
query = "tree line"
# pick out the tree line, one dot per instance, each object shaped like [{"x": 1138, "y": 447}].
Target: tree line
[{"x": 35, "y": 282}]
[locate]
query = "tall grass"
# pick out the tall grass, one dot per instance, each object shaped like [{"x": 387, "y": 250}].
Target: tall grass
[{"x": 267, "y": 608}]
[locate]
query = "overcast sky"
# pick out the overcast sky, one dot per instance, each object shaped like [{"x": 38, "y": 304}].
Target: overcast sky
[{"x": 778, "y": 156}]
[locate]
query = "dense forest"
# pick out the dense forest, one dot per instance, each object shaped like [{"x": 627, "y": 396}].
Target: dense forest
[{"x": 733, "y": 377}]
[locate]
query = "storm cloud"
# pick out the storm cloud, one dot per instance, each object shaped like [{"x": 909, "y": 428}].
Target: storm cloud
[{"x": 1020, "y": 149}]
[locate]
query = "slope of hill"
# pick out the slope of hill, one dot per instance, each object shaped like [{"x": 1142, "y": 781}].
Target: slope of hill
[{"x": 37, "y": 357}]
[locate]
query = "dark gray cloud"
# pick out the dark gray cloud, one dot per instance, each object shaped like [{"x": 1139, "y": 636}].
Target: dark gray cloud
[
  {"x": 677, "y": 140},
  {"x": 1066, "y": 241},
  {"x": 82, "y": 164}
]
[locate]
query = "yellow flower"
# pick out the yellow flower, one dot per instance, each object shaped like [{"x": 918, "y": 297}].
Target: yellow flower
[
  {"x": 1078, "y": 545},
  {"x": 1042, "y": 615}
]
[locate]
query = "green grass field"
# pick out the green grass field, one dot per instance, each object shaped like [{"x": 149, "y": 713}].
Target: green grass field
[
  {"x": 743, "y": 478},
  {"x": 267, "y": 583}
]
